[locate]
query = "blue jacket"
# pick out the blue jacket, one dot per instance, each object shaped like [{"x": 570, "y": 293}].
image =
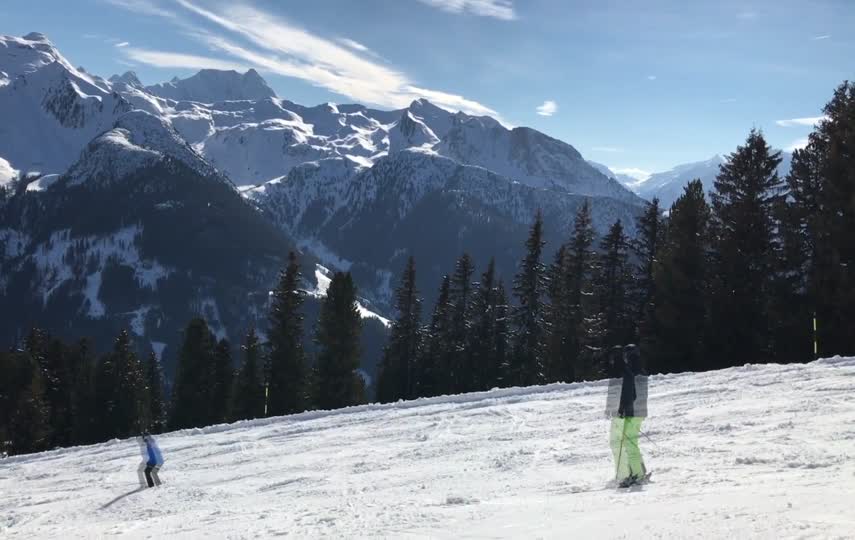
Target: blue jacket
[{"x": 154, "y": 455}]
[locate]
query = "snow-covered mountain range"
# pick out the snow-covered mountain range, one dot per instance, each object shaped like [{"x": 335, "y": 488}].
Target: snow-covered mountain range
[
  {"x": 88, "y": 162},
  {"x": 668, "y": 185}
]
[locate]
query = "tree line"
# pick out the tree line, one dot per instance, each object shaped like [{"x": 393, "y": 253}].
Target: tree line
[
  {"x": 53, "y": 394},
  {"x": 762, "y": 270},
  {"x": 740, "y": 276}
]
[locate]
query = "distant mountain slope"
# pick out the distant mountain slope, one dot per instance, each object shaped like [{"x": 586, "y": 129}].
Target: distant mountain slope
[
  {"x": 49, "y": 109},
  {"x": 668, "y": 185},
  {"x": 211, "y": 85},
  {"x": 138, "y": 221}
]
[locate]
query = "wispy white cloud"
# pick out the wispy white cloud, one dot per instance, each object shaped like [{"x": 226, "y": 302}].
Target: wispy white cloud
[
  {"x": 610, "y": 149},
  {"x": 634, "y": 172},
  {"x": 497, "y": 9},
  {"x": 746, "y": 15},
  {"x": 281, "y": 47},
  {"x": 791, "y": 122},
  {"x": 548, "y": 108},
  {"x": 122, "y": 44},
  {"x": 144, "y": 7},
  {"x": 166, "y": 59},
  {"x": 651, "y": 77},
  {"x": 798, "y": 144},
  {"x": 727, "y": 100},
  {"x": 818, "y": 38},
  {"x": 355, "y": 45}
]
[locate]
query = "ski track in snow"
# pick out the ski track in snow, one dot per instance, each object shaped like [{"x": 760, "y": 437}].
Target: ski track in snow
[{"x": 749, "y": 452}]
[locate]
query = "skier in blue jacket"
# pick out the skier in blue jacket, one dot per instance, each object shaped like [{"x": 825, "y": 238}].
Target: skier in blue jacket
[{"x": 152, "y": 459}]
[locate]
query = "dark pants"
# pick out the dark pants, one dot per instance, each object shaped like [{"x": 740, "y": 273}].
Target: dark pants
[{"x": 151, "y": 477}]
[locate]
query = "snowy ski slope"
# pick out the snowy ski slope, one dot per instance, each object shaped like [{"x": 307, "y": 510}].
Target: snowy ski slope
[{"x": 750, "y": 452}]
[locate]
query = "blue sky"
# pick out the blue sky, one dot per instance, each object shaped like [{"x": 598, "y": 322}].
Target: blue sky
[{"x": 633, "y": 84}]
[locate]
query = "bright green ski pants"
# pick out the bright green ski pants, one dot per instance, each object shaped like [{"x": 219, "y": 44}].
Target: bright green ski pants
[{"x": 624, "y": 442}]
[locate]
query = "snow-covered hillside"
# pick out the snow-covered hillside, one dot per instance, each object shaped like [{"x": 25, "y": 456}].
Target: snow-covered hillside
[
  {"x": 49, "y": 109},
  {"x": 354, "y": 187},
  {"x": 749, "y": 452}
]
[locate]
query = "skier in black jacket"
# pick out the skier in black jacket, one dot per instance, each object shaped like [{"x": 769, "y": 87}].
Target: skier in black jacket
[{"x": 627, "y": 408}]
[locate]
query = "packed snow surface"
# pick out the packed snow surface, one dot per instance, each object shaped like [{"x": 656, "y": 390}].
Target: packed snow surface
[{"x": 749, "y": 452}]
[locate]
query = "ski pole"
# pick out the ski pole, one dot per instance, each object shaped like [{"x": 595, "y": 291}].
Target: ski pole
[{"x": 646, "y": 436}]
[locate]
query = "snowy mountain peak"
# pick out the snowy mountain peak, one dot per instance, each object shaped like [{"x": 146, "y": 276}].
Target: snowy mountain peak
[
  {"x": 129, "y": 78},
  {"x": 137, "y": 139},
  {"x": 410, "y": 131},
  {"x": 22, "y": 55},
  {"x": 214, "y": 85},
  {"x": 36, "y": 36}
]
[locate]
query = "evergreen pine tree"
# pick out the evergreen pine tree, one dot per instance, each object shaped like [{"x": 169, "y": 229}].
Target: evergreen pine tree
[
  {"x": 58, "y": 392},
  {"x": 156, "y": 407},
  {"x": 458, "y": 371},
  {"x": 528, "y": 316},
  {"x": 248, "y": 396},
  {"x": 436, "y": 352},
  {"x": 499, "y": 374},
  {"x": 680, "y": 278},
  {"x": 130, "y": 386},
  {"x": 223, "y": 373},
  {"x": 287, "y": 369},
  {"x": 338, "y": 335},
  {"x": 120, "y": 391},
  {"x": 822, "y": 190},
  {"x": 24, "y": 414},
  {"x": 579, "y": 277},
  {"x": 646, "y": 247},
  {"x": 398, "y": 366},
  {"x": 747, "y": 189},
  {"x": 612, "y": 287},
  {"x": 559, "y": 315},
  {"x": 85, "y": 414},
  {"x": 193, "y": 385},
  {"x": 483, "y": 339}
]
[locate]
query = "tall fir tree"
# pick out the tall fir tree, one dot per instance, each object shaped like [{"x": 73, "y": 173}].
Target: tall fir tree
[
  {"x": 396, "y": 379},
  {"x": 676, "y": 339},
  {"x": 503, "y": 334},
  {"x": 822, "y": 192},
  {"x": 747, "y": 189},
  {"x": 85, "y": 427},
  {"x": 194, "y": 379},
  {"x": 437, "y": 351},
  {"x": 24, "y": 415},
  {"x": 156, "y": 407},
  {"x": 483, "y": 339},
  {"x": 530, "y": 325},
  {"x": 248, "y": 395},
  {"x": 221, "y": 382},
  {"x": 338, "y": 334},
  {"x": 287, "y": 369},
  {"x": 120, "y": 390},
  {"x": 614, "y": 320},
  {"x": 58, "y": 378},
  {"x": 646, "y": 247},
  {"x": 458, "y": 371},
  {"x": 558, "y": 314},
  {"x": 578, "y": 278}
]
